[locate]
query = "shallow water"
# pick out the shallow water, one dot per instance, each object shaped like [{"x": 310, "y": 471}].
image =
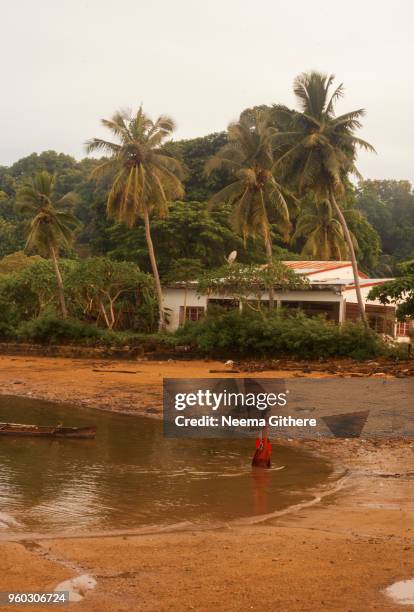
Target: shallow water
[{"x": 131, "y": 476}]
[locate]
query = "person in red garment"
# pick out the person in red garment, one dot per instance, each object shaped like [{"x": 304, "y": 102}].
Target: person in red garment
[{"x": 263, "y": 455}]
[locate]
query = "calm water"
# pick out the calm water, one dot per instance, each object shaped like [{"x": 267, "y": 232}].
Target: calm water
[{"x": 130, "y": 476}]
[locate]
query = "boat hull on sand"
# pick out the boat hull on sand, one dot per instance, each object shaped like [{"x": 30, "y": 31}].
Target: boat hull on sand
[{"x": 39, "y": 431}]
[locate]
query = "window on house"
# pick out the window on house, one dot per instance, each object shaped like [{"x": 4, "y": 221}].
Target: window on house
[
  {"x": 376, "y": 323},
  {"x": 192, "y": 313},
  {"x": 261, "y": 303},
  {"x": 225, "y": 304},
  {"x": 403, "y": 329},
  {"x": 381, "y": 324},
  {"x": 328, "y": 309}
]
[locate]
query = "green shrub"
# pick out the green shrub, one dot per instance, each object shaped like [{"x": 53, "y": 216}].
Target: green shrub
[
  {"x": 54, "y": 330},
  {"x": 50, "y": 329},
  {"x": 222, "y": 334},
  {"x": 7, "y": 331},
  {"x": 8, "y": 320},
  {"x": 249, "y": 334}
]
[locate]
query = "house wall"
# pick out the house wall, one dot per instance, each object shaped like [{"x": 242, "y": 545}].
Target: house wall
[
  {"x": 174, "y": 299},
  {"x": 351, "y": 296},
  {"x": 374, "y": 310},
  {"x": 380, "y": 317}
]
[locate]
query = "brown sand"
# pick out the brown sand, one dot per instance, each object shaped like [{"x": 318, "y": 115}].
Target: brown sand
[
  {"x": 337, "y": 554},
  {"x": 120, "y": 386}
]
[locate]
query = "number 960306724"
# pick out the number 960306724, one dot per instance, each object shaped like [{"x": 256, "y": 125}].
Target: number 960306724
[{"x": 25, "y": 598}]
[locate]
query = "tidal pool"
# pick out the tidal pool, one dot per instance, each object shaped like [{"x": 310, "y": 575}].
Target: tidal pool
[{"x": 130, "y": 476}]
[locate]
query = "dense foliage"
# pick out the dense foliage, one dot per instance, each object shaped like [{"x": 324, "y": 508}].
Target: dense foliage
[
  {"x": 389, "y": 208},
  {"x": 107, "y": 293},
  {"x": 248, "y": 334},
  {"x": 248, "y": 283},
  {"x": 398, "y": 291},
  {"x": 384, "y": 232},
  {"x": 276, "y": 185}
]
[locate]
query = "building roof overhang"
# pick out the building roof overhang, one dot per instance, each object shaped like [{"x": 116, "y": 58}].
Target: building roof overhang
[{"x": 328, "y": 285}]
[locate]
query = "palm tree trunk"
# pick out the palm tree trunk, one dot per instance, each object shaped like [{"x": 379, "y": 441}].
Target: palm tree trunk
[
  {"x": 268, "y": 246},
  {"x": 59, "y": 280},
  {"x": 353, "y": 259},
  {"x": 151, "y": 253},
  {"x": 269, "y": 257}
]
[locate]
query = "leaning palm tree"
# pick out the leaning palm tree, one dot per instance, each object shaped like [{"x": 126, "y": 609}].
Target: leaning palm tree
[
  {"x": 258, "y": 197},
  {"x": 144, "y": 178},
  {"x": 52, "y": 224},
  {"x": 318, "y": 149},
  {"x": 322, "y": 232}
]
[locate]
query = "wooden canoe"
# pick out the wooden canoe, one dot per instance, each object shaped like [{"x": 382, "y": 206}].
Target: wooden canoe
[{"x": 17, "y": 429}]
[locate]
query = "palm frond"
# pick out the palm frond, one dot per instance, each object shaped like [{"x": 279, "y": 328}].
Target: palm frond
[
  {"x": 230, "y": 193},
  {"x": 69, "y": 200},
  {"x": 100, "y": 145},
  {"x": 144, "y": 178},
  {"x": 338, "y": 93}
]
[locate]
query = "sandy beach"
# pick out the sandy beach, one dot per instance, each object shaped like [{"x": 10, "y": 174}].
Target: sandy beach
[
  {"x": 135, "y": 387},
  {"x": 130, "y": 387},
  {"x": 338, "y": 551}
]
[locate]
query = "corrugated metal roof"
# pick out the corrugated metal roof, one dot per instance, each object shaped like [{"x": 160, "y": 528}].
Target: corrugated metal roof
[
  {"x": 367, "y": 282},
  {"x": 310, "y": 267}
]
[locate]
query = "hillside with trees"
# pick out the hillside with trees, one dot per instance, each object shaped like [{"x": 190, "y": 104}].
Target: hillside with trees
[
  {"x": 385, "y": 226},
  {"x": 276, "y": 185}
]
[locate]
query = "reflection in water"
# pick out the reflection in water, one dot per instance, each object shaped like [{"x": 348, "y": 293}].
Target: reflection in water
[
  {"x": 261, "y": 480},
  {"x": 132, "y": 476}
]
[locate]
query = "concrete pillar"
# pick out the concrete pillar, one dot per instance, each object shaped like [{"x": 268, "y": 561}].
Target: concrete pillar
[{"x": 342, "y": 309}]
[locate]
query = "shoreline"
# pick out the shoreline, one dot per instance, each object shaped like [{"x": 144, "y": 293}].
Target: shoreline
[
  {"x": 124, "y": 387},
  {"x": 134, "y": 387},
  {"x": 337, "y": 551},
  {"x": 334, "y": 483}
]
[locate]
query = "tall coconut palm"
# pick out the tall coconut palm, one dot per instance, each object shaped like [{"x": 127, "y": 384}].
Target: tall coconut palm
[
  {"x": 318, "y": 149},
  {"x": 52, "y": 224},
  {"x": 144, "y": 178},
  {"x": 322, "y": 232},
  {"x": 255, "y": 192}
]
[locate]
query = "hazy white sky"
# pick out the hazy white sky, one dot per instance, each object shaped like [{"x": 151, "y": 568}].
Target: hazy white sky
[{"x": 68, "y": 63}]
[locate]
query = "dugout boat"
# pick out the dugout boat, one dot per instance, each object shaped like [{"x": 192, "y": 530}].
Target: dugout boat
[{"x": 46, "y": 431}]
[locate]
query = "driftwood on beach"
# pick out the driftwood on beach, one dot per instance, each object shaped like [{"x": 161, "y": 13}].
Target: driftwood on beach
[{"x": 117, "y": 371}]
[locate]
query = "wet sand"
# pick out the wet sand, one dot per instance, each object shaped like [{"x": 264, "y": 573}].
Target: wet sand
[
  {"x": 336, "y": 553},
  {"x": 132, "y": 387}
]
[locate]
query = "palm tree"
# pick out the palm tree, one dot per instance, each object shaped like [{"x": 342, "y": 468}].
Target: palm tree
[
  {"x": 144, "y": 178},
  {"x": 255, "y": 192},
  {"x": 52, "y": 225},
  {"x": 323, "y": 233},
  {"x": 318, "y": 148}
]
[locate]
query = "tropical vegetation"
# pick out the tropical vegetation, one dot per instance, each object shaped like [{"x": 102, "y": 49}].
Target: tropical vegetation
[
  {"x": 248, "y": 334},
  {"x": 51, "y": 225},
  {"x": 317, "y": 149},
  {"x": 399, "y": 291},
  {"x": 144, "y": 179},
  {"x": 91, "y": 241},
  {"x": 254, "y": 189}
]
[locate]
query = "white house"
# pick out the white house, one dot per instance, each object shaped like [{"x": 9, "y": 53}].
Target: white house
[{"x": 331, "y": 292}]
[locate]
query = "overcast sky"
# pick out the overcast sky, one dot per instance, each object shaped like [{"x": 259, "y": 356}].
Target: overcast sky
[{"x": 68, "y": 63}]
